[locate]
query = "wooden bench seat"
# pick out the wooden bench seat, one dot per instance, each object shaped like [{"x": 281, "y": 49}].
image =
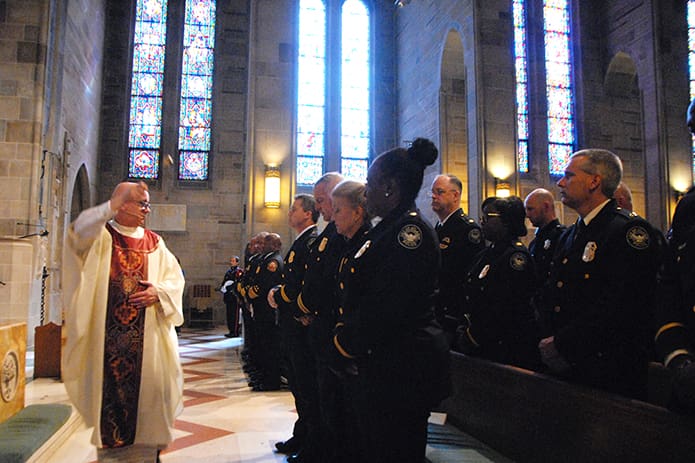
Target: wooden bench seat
[{"x": 531, "y": 417}]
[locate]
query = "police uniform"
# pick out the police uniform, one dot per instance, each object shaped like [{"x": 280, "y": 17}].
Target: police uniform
[
  {"x": 318, "y": 300},
  {"x": 460, "y": 240},
  {"x": 543, "y": 247},
  {"x": 250, "y": 352},
  {"x": 301, "y": 369},
  {"x": 599, "y": 297},
  {"x": 386, "y": 289},
  {"x": 499, "y": 321},
  {"x": 230, "y": 298},
  {"x": 268, "y": 275},
  {"x": 675, "y": 333}
]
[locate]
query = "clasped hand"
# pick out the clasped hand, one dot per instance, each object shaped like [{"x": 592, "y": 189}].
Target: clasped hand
[{"x": 144, "y": 298}]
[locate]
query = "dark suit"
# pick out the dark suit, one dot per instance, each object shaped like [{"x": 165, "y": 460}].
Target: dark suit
[{"x": 599, "y": 299}]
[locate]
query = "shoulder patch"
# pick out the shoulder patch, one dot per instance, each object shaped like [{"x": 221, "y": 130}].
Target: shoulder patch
[
  {"x": 272, "y": 266},
  {"x": 410, "y": 236},
  {"x": 323, "y": 244},
  {"x": 518, "y": 261},
  {"x": 637, "y": 237},
  {"x": 474, "y": 236}
]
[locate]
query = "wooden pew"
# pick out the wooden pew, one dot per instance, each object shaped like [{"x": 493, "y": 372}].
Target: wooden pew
[{"x": 531, "y": 417}]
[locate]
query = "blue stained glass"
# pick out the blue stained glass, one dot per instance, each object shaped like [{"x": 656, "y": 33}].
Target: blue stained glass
[
  {"x": 193, "y": 165},
  {"x": 559, "y": 89},
  {"x": 143, "y": 164},
  {"x": 355, "y": 169},
  {"x": 195, "y": 124},
  {"x": 309, "y": 169},
  {"x": 691, "y": 64},
  {"x": 355, "y": 91},
  {"x": 311, "y": 91},
  {"x": 145, "y": 117},
  {"x": 521, "y": 73}
]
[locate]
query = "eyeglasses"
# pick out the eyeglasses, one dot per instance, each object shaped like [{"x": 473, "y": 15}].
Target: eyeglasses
[
  {"x": 487, "y": 215},
  {"x": 144, "y": 204},
  {"x": 438, "y": 192}
]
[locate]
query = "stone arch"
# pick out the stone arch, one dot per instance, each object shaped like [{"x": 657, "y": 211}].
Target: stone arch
[
  {"x": 623, "y": 109},
  {"x": 80, "y": 193},
  {"x": 453, "y": 114}
]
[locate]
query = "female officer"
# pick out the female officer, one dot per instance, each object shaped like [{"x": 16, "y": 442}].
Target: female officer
[
  {"x": 386, "y": 289},
  {"x": 499, "y": 322}
]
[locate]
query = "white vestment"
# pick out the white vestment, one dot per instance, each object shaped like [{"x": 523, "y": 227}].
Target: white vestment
[{"x": 86, "y": 266}]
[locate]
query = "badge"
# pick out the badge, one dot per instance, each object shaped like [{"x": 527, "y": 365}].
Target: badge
[
  {"x": 589, "y": 251},
  {"x": 474, "y": 236},
  {"x": 290, "y": 259},
  {"x": 272, "y": 266},
  {"x": 363, "y": 249},
  {"x": 444, "y": 244},
  {"x": 546, "y": 244},
  {"x": 410, "y": 236},
  {"x": 323, "y": 244},
  {"x": 638, "y": 238},
  {"x": 518, "y": 261},
  {"x": 484, "y": 271}
]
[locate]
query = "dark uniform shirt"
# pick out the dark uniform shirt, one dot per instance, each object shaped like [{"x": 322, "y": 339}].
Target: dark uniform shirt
[
  {"x": 675, "y": 333},
  {"x": 460, "y": 239},
  {"x": 386, "y": 291},
  {"x": 318, "y": 295},
  {"x": 498, "y": 290},
  {"x": 293, "y": 277},
  {"x": 267, "y": 275},
  {"x": 599, "y": 298},
  {"x": 543, "y": 247}
]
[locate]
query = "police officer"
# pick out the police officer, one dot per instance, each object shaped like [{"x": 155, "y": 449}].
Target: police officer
[
  {"x": 230, "y": 298},
  {"x": 318, "y": 302},
  {"x": 460, "y": 239},
  {"x": 301, "y": 368},
  {"x": 268, "y": 275},
  {"x": 387, "y": 289},
  {"x": 675, "y": 335},
  {"x": 597, "y": 305},
  {"x": 540, "y": 210},
  {"x": 498, "y": 322}
]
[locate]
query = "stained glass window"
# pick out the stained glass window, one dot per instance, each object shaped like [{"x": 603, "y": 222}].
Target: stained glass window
[
  {"x": 195, "y": 118},
  {"x": 352, "y": 128},
  {"x": 521, "y": 66},
  {"x": 559, "y": 90},
  {"x": 355, "y": 90},
  {"x": 311, "y": 91},
  {"x": 691, "y": 63},
  {"x": 145, "y": 121}
]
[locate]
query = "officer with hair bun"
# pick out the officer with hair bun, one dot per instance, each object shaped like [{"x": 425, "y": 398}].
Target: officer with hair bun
[
  {"x": 498, "y": 322},
  {"x": 392, "y": 359}
]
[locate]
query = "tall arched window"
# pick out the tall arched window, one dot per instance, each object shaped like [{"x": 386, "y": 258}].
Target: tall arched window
[
  {"x": 559, "y": 89},
  {"x": 145, "y": 129},
  {"x": 148, "y": 95},
  {"x": 691, "y": 62},
  {"x": 521, "y": 71},
  {"x": 348, "y": 89}
]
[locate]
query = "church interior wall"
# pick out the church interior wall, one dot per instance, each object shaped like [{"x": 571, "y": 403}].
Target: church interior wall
[{"x": 64, "y": 86}]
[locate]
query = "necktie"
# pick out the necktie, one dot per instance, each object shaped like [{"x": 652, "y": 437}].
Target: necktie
[
  {"x": 579, "y": 229},
  {"x": 438, "y": 226}
]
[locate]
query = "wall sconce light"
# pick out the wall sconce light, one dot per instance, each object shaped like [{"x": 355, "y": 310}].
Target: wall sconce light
[
  {"x": 502, "y": 189},
  {"x": 272, "y": 187}
]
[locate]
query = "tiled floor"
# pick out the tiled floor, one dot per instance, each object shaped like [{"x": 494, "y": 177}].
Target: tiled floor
[{"x": 223, "y": 421}]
